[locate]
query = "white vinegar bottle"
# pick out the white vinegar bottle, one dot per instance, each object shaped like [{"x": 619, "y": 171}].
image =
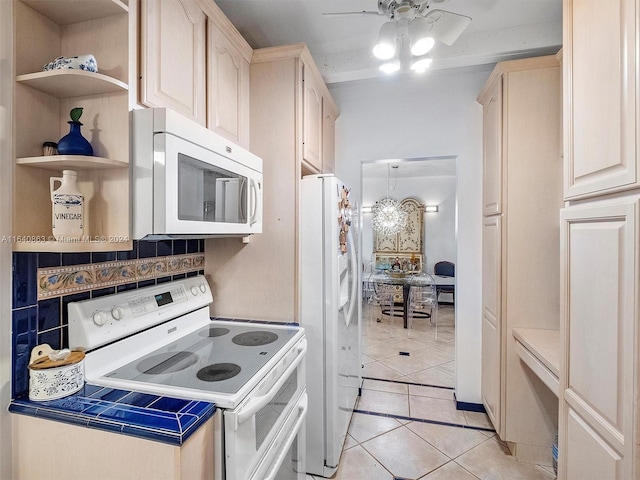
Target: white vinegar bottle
[{"x": 67, "y": 207}]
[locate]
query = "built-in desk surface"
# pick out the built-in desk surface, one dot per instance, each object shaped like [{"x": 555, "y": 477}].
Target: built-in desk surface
[{"x": 540, "y": 350}]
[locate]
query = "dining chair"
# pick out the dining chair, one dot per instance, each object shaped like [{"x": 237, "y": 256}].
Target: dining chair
[
  {"x": 446, "y": 269},
  {"x": 385, "y": 293},
  {"x": 423, "y": 303}
]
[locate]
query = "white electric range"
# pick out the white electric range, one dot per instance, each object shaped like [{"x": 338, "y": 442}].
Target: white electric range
[{"x": 161, "y": 340}]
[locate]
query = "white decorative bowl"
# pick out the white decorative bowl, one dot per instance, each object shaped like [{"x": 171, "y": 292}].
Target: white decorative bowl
[{"x": 80, "y": 62}]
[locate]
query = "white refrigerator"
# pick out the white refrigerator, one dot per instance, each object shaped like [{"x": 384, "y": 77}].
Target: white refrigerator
[{"x": 330, "y": 314}]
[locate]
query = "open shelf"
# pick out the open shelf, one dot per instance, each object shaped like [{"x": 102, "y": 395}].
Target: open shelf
[
  {"x": 71, "y": 162},
  {"x": 540, "y": 350},
  {"x": 66, "y": 12},
  {"x": 67, "y": 83}
]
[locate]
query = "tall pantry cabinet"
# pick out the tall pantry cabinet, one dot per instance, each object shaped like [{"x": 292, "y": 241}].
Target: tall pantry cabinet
[
  {"x": 522, "y": 170},
  {"x": 292, "y": 122},
  {"x": 600, "y": 243}
]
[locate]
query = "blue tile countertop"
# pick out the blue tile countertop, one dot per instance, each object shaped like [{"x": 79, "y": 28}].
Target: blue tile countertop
[{"x": 152, "y": 417}]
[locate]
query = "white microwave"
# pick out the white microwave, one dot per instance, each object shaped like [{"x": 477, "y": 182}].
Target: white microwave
[{"x": 189, "y": 182}]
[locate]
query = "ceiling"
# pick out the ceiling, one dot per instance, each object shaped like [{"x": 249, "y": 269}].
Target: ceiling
[
  {"x": 410, "y": 168},
  {"x": 341, "y": 45}
]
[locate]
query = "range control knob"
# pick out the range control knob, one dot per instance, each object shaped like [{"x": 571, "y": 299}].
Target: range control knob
[
  {"x": 203, "y": 288},
  {"x": 100, "y": 318},
  {"x": 117, "y": 313},
  {"x": 194, "y": 291}
]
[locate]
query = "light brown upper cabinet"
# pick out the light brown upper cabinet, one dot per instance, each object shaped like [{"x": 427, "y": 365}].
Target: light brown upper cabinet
[
  {"x": 329, "y": 117},
  {"x": 601, "y": 76},
  {"x": 228, "y": 74},
  {"x": 492, "y": 145},
  {"x": 312, "y": 122},
  {"x": 172, "y": 57}
]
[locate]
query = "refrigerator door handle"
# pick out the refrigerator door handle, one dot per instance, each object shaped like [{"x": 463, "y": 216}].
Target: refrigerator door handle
[{"x": 354, "y": 281}]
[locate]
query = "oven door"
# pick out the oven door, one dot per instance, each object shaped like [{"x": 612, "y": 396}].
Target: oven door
[
  {"x": 252, "y": 427},
  {"x": 285, "y": 459}
]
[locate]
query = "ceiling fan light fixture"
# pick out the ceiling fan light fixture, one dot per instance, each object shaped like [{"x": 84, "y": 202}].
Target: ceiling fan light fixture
[
  {"x": 420, "y": 65},
  {"x": 385, "y": 47},
  {"x": 420, "y": 35},
  {"x": 390, "y": 67}
]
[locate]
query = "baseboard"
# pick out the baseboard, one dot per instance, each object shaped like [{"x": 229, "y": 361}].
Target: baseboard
[{"x": 469, "y": 407}]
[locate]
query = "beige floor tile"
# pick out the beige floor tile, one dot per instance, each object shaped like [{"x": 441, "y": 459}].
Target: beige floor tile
[
  {"x": 382, "y": 386},
  {"x": 384, "y": 402},
  {"x": 478, "y": 419},
  {"x": 405, "y": 364},
  {"x": 449, "y": 367},
  {"x": 435, "y": 409},
  {"x": 378, "y": 370},
  {"x": 349, "y": 442},
  {"x": 365, "y": 427},
  {"x": 404, "y": 453},
  {"x": 433, "y": 392},
  {"x": 446, "y": 348},
  {"x": 380, "y": 351},
  {"x": 450, "y": 471},
  {"x": 452, "y": 441},
  {"x": 357, "y": 463},
  {"x": 431, "y": 357},
  {"x": 491, "y": 460},
  {"x": 405, "y": 344},
  {"x": 367, "y": 359},
  {"x": 433, "y": 376}
]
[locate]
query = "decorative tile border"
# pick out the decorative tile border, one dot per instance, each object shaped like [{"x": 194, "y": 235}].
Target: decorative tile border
[{"x": 58, "y": 281}]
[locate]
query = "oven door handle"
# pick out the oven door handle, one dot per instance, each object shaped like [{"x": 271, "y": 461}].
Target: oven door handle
[
  {"x": 284, "y": 450},
  {"x": 257, "y": 403}
]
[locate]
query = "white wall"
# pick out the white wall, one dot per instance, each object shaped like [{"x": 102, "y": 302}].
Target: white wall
[
  {"x": 439, "y": 233},
  {"x": 431, "y": 115}
]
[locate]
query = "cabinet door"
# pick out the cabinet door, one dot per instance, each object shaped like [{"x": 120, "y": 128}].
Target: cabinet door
[
  {"x": 227, "y": 88},
  {"x": 492, "y": 320},
  {"x": 328, "y": 138},
  {"x": 386, "y": 243},
  {"x": 599, "y": 245},
  {"x": 173, "y": 57},
  {"x": 312, "y": 122},
  {"x": 492, "y": 154},
  {"x": 410, "y": 238},
  {"x": 588, "y": 456},
  {"x": 600, "y": 97}
]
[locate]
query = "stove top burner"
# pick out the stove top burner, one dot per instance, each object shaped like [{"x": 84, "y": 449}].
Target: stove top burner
[
  {"x": 215, "y": 332},
  {"x": 218, "y": 372},
  {"x": 167, "y": 362},
  {"x": 254, "y": 339}
]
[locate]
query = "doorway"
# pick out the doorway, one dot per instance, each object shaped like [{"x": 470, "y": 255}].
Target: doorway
[{"x": 389, "y": 353}]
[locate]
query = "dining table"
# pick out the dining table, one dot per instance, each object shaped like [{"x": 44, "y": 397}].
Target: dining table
[{"x": 407, "y": 280}]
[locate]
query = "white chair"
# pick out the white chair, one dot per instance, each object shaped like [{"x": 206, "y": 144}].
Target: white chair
[
  {"x": 385, "y": 293},
  {"x": 423, "y": 303}
]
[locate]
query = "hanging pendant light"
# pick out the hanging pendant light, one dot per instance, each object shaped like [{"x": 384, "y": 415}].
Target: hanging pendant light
[{"x": 388, "y": 216}]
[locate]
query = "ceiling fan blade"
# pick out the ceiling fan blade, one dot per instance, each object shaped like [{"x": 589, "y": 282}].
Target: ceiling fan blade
[
  {"x": 349, "y": 14},
  {"x": 447, "y": 26}
]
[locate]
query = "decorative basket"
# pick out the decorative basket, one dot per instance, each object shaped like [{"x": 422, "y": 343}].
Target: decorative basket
[{"x": 50, "y": 379}]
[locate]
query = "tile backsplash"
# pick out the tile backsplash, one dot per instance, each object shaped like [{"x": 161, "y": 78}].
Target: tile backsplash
[{"x": 44, "y": 283}]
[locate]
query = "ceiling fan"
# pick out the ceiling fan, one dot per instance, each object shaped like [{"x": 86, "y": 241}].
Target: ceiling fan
[{"x": 413, "y": 26}]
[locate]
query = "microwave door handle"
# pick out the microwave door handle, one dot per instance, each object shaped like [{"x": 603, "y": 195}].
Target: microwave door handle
[
  {"x": 302, "y": 413},
  {"x": 243, "y": 200},
  {"x": 256, "y": 403},
  {"x": 254, "y": 202}
]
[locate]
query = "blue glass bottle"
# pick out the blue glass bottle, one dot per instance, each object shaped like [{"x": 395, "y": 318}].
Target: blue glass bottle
[{"x": 74, "y": 143}]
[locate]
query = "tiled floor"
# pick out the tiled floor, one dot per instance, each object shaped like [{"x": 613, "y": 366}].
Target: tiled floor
[{"x": 402, "y": 430}]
